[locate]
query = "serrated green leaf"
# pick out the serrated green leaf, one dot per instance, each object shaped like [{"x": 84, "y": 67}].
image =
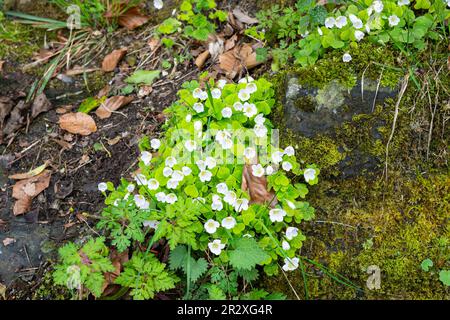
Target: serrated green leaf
[
  {"x": 247, "y": 254},
  {"x": 143, "y": 77}
]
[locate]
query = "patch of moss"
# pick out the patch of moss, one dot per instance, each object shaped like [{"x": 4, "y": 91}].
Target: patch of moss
[
  {"x": 16, "y": 42},
  {"x": 48, "y": 290}
]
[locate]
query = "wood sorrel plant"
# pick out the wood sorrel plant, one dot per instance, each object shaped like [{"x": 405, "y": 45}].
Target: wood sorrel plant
[{"x": 189, "y": 192}]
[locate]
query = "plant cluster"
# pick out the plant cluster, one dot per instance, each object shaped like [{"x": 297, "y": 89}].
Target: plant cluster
[
  {"x": 191, "y": 195},
  {"x": 306, "y": 32},
  {"x": 196, "y": 20}
]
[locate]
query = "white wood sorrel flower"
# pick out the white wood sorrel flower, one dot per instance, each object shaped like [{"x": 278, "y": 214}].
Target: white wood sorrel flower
[
  {"x": 155, "y": 144},
  {"x": 228, "y": 222},
  {"x": 309, "y": 174},
  {"x": 277, "y": 215},
  {"x": 291, "y": 232},
  {"x": 290, "y": 264},
  {"x": 102, "y": 187},
  {"x": 216, "y": 246},
  {"x": 211, "y": 226}
]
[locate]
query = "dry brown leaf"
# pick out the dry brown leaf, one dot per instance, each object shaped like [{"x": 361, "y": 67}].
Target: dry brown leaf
[
  {"x": 244, "y": 18},
  {"x": 233, "y": 61},
  {"x": 117, "y": 260},
  {"x": 144, "y": 91},
  {"x": 257, "y": 188},
  {"x": 77, "y": 71},
  {"x": 234, "y": 23},
  {"x": 111, "y": 61},
  {"x": 66, "y": 145},
  {"x": 40, "y": 104},
  {"x": 25, "y": 190},
  {"x": 3, "y": 291},
  {"x": 2, "y": 62},
  {"x": 77, "y": 122},
  {"x": 231, "y": 42},
  {"x": 104, "y": 91},
  {"x": 112, "y": 104},
  {"x": 8, "y": 241},
  {"x": 201, "y": 59},
  {"x": 6, "y": 105},
  {"x": 154, "y": 43},
  {"x": 132, "y": 19},
  {"x": 29, "y": 174}
]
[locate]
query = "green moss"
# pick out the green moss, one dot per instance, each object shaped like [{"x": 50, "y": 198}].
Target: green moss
[
  {"x": 48, "y": 290},
  {"x": 16, "y": 42}
]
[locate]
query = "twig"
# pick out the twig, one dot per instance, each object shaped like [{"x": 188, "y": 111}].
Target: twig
[{"x": 400, "y": 96}]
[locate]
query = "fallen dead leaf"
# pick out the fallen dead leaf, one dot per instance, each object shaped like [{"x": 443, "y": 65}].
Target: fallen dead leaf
[
  {"x": 154, "y": 44},
  {"x": 78, "y": 122},
  {"x": 230, "y": 43},
  {"x": 114, "y": 141},
  {"x": 17, "y": 118},
  {"x": 234, "y": 61},
  {"x": 6, "y": 105},
  {"x": 3, "y": 291},
  {"x": 104, "y": 91},
  {"x": 40, "y": 104},
  {"x": 77, "y": 71},
  {"x": 243, "y": 17},
  {"x": 144, "y": 91},
  {"x": 117, "y": 260},
  {"x": 84, "y": 159},
  {"x": 2, "y": 62},
  {"x": 132, "y": 18},
  {"x": 8, "y": 241},
  {"x": 257, "y": 187},
  {"x": 201, "y": 59},
  {"x": 111, "y": 61},
  {"x": 25, "y": 190},
  {"x": 66, "y": 145},
  {"x": 29, "y": 174},
  {"x": 112, "y": 104}
]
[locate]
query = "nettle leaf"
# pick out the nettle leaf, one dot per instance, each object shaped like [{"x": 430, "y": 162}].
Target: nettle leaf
[
  {"x": 143, "y": 77},
  {"x": 247, "y": 254},
  {"x": 215, "y": 293},
  {"x": 178, "y": 259}
]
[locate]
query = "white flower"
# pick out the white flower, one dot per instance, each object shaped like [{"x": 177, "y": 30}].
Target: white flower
[
  {"x": 291, "y": 232},
  {"x": 161, "y": 196},
  {"x": 221, "y": 83},
  {"x": 243, "y": 95},
  {"x": 201, "y": 165},
  {"x": 249, "y": 153},
  {"x": 259, "y": 119},
  {"x": 406, "y": 2},
  {"x": 130, "y": 188},
  {"x": 285, "y": 245},
  {"x": 290, "y": 264},
  {"x": 216, "y": 246},
  {"x": 211, "y": 226},
  {"x": 319, "y": 31},
  {"x": 241, "y": 204},
  {"x": 167, "y": 172},
  {"x": 197, "y": 93},
  {"x": 188, "y": 118},
  {"x": 172, "y": 183},
  {"x": 171, "y": 161},
  {"x": 359, "y": 35},
  {"x": 186, "y": 171},
  {"x": 153, "y": 184},
  {"x": 257, "y": 170},
  {"x": 204, "y": 95},
  {"x": 228, "y": 222},
  {"x": 260, "y": 130},
  {"x": 286, "y": 165},
  {"x": 289, "y": 151},
  {"x": 269, "y": 170},
  {"x": 277, "y": 215},
  {"x": 393, "y": 20},
  {"x": 198, "y": 125},
  {"x": 216, "y": 93},
  {"x": 378, "y": 6},
  {"x": 198, "y": 107},
  {"x": 250, "y": 110},
  {"x": 357, "y": 22},
  {"x": 146, "y": 157},
  {"x": 141, "y": 203},
  {"x": 155, "y": 143},
  {"x": 330, "y": 22},
  {"x": 230, "y": 198},
  {"x": 309, "y": 174},
  {"x": 227, "y": 112},
  {"x": 346, "y": 57},
  {"x": 217, "y": 204},
  {"x": 251, "y": 88},
  {"x": 171, "y": 198},
  {"x": 238, "y": 106},
  {"x": 222, "y": 188},
  {"x": 158, "y": 4},
  {"x": 290, "y": 204},
  {"x": 102, "y": 186},
  {"x": 210, "y": 162},
  {"x": 140, "y": 179},
  {"x": 341, "y": 21},
  {"x": 177, "y": 175},
  {"x": 205, "y": 175},
  {"x": 246, "y": 79},
  {"x": 227, "y": 143},
  {"x": 153, "y": 224},
  {"x": 277, "y": 157},
  {"x": 190, "y": 145}
]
